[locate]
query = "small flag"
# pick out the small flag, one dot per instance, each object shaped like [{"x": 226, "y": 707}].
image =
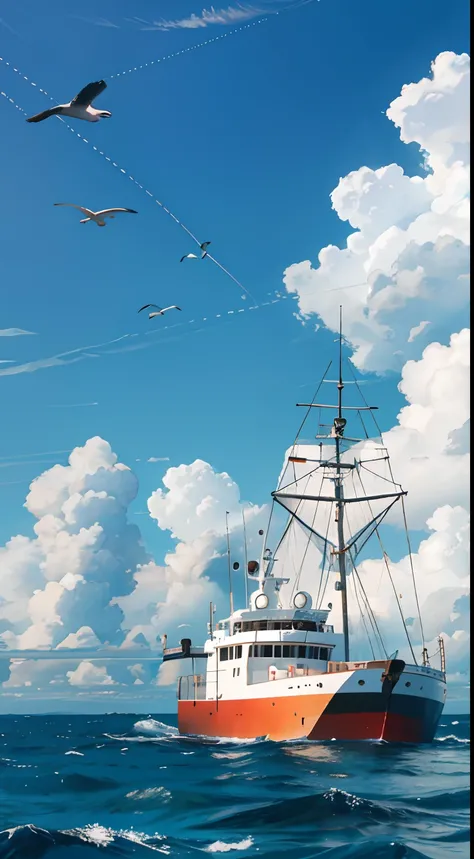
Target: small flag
[{"x": 296, "y": 459}]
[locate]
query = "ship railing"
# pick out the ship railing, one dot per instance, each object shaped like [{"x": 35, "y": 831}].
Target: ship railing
[
  {"x": 192, "y": 687},
  {"x": 335, "y": 667},
  {"x": 332, "y": 668}
]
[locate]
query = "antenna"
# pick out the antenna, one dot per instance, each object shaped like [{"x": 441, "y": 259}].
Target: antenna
[
  {"x": 231, "y": 596},
  {"x": 245, "y": 561},
  {"x": 339, "y": 424}
]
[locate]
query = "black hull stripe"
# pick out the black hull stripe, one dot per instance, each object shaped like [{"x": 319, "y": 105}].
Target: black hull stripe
[{"x": 410, "y": 706}]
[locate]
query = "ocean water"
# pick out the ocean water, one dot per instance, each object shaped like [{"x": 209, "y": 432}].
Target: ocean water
[{"x": 128, "y": 786}]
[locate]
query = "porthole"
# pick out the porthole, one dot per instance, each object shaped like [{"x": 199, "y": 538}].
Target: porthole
[
  {"x": 408, "y": 683},
  {"x": 361, "y": 682}
]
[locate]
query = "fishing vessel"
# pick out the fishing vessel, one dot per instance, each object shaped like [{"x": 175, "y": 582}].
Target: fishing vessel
[{"x": 278, "y": 668}]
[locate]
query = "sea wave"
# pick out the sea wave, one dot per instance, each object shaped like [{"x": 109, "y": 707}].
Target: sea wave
[{"x": 137, "y": 788}]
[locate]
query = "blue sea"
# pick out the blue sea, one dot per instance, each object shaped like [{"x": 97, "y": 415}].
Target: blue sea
[{"x": 128, "y": 786}]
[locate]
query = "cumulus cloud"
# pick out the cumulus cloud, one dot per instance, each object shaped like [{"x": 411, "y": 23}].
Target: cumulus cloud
[
  {"x": 409, "y": 252},
  {"x": 88, "y": 674},
  {"x": 193, "y": 507},
  {"x": 82, "y": 555}
]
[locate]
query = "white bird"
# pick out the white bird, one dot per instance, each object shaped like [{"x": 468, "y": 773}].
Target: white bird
[
  {"x": 160, "y": 311},
  {"x": 203, "y": 247},
  {"x": 97, "y": 217},
  {"x": 79, "y": 107}
]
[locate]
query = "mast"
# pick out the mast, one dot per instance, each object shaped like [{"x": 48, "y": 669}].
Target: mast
[
  {"x": 231, "y": 595},
  {"x": 336, "y": 469},
  {"x": 339, "y": 495}
]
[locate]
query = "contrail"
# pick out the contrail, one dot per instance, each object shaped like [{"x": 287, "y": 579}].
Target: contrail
[{"x": 82, "y": 353}]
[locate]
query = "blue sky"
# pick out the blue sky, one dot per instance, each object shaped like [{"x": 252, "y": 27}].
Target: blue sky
[{"x": 244, "y": 139}]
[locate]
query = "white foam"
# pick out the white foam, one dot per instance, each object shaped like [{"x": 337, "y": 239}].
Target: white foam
[
  {"x": 226, "y": 847},
  {"x": 452, "y": 737},
  {"x": 73, "y": 752},
  {"x": 152, "y": 726}
]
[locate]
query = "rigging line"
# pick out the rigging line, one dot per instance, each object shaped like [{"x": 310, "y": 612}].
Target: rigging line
[
  {"x": 370, "y": 611},
  {"x": 330, "y": 568},
  {"x": 323, "y": 562},
  {"x": 375, "y": 522},
  {"x": 385, "y": 558},
  {"x": 362, "y": 616},
  {"x": 298, "y": 576},
  {"x": 415, "y": 588},
  {"x": 129, "y": 176},
  {"x": 308, "y": 410},
  {"x": 380, "y": 476},
  {"x": 359, "y": 413},
  {"x": 365, "y": 402}
]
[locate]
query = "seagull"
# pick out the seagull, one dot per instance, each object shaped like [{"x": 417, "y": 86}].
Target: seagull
[
  {"x": 97, "y": 217},
  {"x": 203, "y": 247},
  {"x": 79, "y": 107},
  {"x": 160, "y": 311}
]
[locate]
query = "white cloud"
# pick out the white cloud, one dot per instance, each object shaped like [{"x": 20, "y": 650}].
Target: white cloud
[
  {"x": 88, "y": 674},
  {"x": 437, "y": 390},
  {"x": 157, "y": 459},
  {"x": 192, "y": 506},
  {"x": 83, "y": 554},
  {"x": 13, "y": 332},
  {"x": 417, "y": 330},
  {"x": 208, "y": 17},
  {"x": 410, "y": 248}
]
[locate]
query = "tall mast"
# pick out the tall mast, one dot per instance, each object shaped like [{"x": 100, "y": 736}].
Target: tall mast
[
  {"x": 286, "y": 494},
  {"x": 339, "y": 495},
  {"x": 231, "y": 595}
]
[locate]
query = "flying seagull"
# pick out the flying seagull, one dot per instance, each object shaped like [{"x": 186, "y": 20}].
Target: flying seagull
[
  {"x": 160, "y": 311},
  {"x": 98, "y": 217},
  {"x": 79, "y": 107},
  {"x": 203, "y": 247}
]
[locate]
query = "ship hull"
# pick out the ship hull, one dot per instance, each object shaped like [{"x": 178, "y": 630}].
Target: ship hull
[{"x": 343, "y": 713}]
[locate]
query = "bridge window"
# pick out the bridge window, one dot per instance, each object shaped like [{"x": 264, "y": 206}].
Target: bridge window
[
  {"x": 287, "y": 651},
  {"x": 301, "y": 625},
  {"x": 238, "y": 652},
  {"x": 224, "y": 654}
]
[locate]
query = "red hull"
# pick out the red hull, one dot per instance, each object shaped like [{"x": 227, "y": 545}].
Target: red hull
[{"x": 401, "y": 719}]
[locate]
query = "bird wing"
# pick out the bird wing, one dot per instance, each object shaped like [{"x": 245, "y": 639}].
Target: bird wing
[
  {"x": 106, "y": 212},
  {"x": 172, "y": 307},
  {"x": 88, "y": 212},
  {"x": 148, "y": 305},
  {"x": 87, "y": 95},
  {"x": 188, "y": 256},
  {"x": 38, "y": 117},
  {"x": 205, "y": 245}
]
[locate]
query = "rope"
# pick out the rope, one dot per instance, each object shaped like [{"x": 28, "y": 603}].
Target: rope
[
  {"x": 410, "y": 555},
  {"x": 298, "y": 576},
  {"x": 362, "y": 616},
  {"x": 385, "y": 558}
]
